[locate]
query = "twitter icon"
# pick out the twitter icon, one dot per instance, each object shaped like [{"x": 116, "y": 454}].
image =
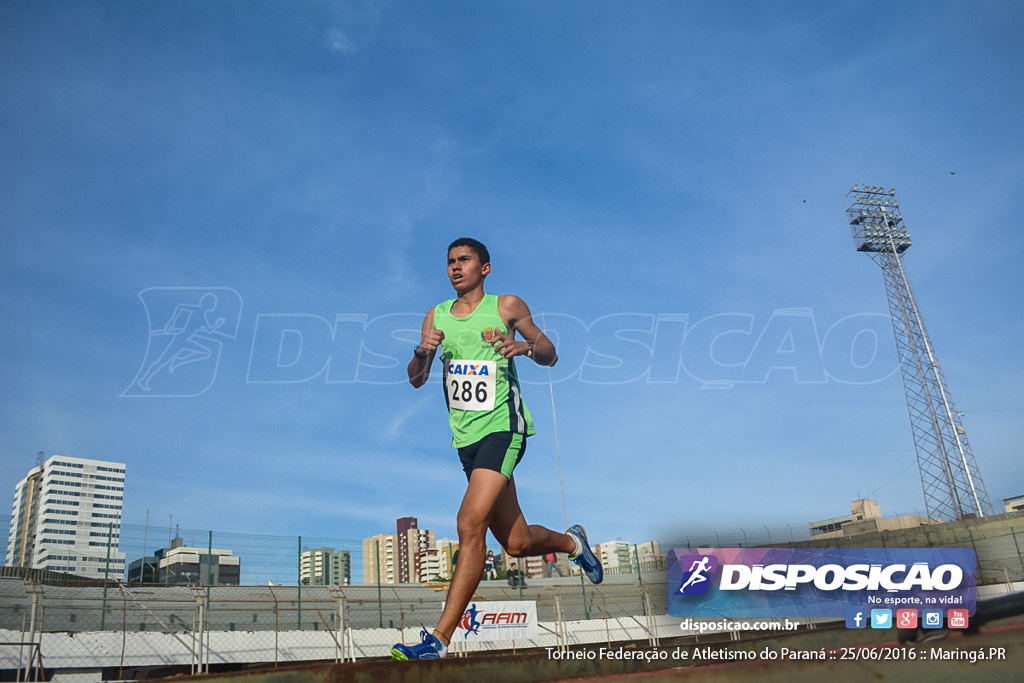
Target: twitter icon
[{"x": 881, "y": 618}]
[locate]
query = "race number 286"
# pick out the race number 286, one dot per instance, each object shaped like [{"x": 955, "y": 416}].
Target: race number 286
[{"x": 471, "y": 385}]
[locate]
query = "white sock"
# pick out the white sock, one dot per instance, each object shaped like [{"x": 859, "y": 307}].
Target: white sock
[{"x": 579, "y": 548}]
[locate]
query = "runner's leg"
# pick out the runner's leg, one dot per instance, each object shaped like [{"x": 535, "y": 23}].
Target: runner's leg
[
  {"x": 478, "y": 505},
  {"x": 519, "y": 538}
]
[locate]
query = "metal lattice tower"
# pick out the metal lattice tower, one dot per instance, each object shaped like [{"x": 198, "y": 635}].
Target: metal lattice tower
[{"x": 952, "y": 483}]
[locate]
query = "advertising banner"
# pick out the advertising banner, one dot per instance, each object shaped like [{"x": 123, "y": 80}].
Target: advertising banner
[
  {"x": 493, "y": 621},
  {"x": 818, "y": 582}
]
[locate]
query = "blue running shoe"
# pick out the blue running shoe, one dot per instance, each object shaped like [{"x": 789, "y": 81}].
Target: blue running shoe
[
  {"x": 585, "y": 559},
  {"x": 430, "y": 648}
]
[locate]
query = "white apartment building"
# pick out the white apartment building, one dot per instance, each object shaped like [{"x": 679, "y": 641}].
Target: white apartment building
[
  {"x": 446, "y": 548},
  {"x": 615, "y": 555},
  {"x": 66, "y": 517},
  {"x": 325, "y": 567},
  {"x": 622, "y": 557},
  {"x": 418, "y": 546},
  {"x": 429, "y": 563},
  {"x": 648, "y": 552}
]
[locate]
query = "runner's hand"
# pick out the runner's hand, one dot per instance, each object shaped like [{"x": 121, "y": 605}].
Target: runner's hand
[
  {"x": 431, "y": 340},
  {"x": 507, "y": 347}
]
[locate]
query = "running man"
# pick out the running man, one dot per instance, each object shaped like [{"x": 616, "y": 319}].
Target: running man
[
  {"x": 697, "y": 570},
  {"x": 477, "y": 334}
]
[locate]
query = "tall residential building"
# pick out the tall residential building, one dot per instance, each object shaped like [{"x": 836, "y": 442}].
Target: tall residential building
[
  {"x": 412, "y": 541},
  {"x": 380, "y": 564},
  {"x": 429, "y": 564},
  {"x": 404, "y": 525},
  {"x": 446, "y": 548},
  {"x": 325, "y": 567},
  {"x": 66, "y": 517},
  {"x": 615, "y": 555},
  {"x": 648, "y": 553}
]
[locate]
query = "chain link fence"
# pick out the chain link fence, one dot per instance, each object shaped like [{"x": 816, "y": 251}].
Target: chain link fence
[
  {"x": 204, "y": 628},
  {"x": 256, "y": 559}
]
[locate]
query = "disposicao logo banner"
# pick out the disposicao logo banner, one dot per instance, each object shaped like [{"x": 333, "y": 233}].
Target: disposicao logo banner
[{"x": 817, "y": 582}]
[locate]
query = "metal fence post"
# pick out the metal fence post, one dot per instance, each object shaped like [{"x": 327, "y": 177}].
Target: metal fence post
[
  {"x": 560, "y": 627},
  {"x": 583, "y": 587},
  {"x": 640, "y": 581},
  {"x": 652, "y": 626},
  {"x": 1017, "y": 546},
  {"x": 380, "y": 598},
  {"x": 106, "y": 577},
  {"x": 202, "y": 634},
  {"x": 341, "y": 630},
  {"x": 975, "y": 548}
]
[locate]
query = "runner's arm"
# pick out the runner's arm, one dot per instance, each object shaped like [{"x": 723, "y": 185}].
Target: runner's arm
[
  {"x": 535, "y": 343},
  {"x": 423, "y": 356}
]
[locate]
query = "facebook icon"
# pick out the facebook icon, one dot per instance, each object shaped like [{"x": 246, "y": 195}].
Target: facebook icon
[{"x": 855, "y": 618}]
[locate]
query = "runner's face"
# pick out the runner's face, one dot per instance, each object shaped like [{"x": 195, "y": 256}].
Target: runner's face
[{"x": 465, "y": 271}]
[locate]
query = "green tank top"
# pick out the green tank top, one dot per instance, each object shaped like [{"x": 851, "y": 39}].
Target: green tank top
[{"x": 481, "y": 389}]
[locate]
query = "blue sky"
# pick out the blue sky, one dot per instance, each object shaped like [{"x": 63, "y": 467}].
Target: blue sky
[{"x": 664, "y": 181}]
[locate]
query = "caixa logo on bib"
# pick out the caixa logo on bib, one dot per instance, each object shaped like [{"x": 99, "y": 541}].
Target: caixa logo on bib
[{"x": 817, "y": 582}]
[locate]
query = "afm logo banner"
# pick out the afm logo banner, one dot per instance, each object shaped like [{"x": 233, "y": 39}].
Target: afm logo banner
[
  {"x": 494, "y": 621},
  {"x": 817, "y": 582}
]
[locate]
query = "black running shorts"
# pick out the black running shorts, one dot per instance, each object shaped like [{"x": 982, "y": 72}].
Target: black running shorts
[{"x": 500, "y": 452}]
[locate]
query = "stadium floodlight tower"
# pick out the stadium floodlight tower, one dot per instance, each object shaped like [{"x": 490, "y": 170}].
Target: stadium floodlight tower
[{"x": 952, "y": 483}]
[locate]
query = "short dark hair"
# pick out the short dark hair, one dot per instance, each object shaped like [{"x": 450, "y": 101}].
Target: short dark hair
[{"x": 476, "y": 245}]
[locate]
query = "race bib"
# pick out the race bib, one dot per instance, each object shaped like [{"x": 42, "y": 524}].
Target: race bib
[{"x": 470, "y": 384}]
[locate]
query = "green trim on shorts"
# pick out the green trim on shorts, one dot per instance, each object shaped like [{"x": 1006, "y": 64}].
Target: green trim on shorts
[{"x": 515, "y": 448}]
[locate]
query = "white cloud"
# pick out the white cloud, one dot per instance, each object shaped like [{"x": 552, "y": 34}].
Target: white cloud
[{"x": 339, "y": 42}]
